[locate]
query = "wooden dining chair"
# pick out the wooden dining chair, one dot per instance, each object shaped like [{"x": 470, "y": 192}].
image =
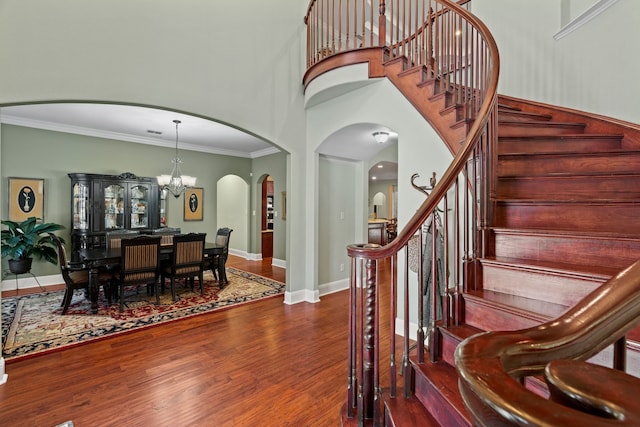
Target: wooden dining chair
[
  {"x": 75, "y": 276},
  {"x": 166, "y": 233},
  {"x": 114, "y": 238},
  {"x": 139, "y": 264},
  {"x": 187, "y": 261},
  {"x": 217, "y": 263}
]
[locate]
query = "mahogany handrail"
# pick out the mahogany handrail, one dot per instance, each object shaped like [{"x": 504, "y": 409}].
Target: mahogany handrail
[{"x": 493, "y": 365}]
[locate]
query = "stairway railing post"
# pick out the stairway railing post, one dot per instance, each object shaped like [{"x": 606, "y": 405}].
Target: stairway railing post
[{"x": 382, "y": 24}]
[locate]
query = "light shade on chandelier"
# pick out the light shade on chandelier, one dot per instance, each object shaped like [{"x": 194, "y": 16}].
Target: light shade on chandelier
[{"x": 176, "y": 183}]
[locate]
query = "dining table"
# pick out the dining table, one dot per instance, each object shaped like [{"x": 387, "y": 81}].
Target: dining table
[{"x": 95, "y": 259}]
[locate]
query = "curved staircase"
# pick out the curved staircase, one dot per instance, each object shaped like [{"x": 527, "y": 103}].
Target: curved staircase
[{"x": 546, "y": 201}]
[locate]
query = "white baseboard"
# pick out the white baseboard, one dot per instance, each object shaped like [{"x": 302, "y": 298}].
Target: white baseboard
[
  {"x": 413, "y": 328},
  {"x": 305, "y": 295},
  {"x": 279, "y": 263},
  {"x": 3, "y": 375},
  {"x": 26, "y": 281},
  {"x": 331, "y": 287}
]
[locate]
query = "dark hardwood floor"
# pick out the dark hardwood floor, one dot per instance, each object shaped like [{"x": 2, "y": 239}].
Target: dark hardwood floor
[{"x": 260, "y": 364}]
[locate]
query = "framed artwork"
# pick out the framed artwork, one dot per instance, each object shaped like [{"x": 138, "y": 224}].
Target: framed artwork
[
  {"x": 193, "y": 204},
  {"x": 26, "y": 198}
]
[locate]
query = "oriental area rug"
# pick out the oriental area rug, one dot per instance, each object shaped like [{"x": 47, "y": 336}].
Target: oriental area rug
[{"x": 33, "y": 324}]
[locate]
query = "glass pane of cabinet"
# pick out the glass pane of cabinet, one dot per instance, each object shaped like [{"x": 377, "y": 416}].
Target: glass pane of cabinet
[
  {"x": 139, "y": 204},
  {"x": 114, "y": 207},
  {"x": 80, "y": 206}
]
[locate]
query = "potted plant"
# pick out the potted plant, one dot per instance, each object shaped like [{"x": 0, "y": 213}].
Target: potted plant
[{"x": 22, "y": 241}]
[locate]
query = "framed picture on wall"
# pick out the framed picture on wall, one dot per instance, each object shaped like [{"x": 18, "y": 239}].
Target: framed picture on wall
[
  {"x": 193, "y": 204},
  {"x": 26, "y": 198}
]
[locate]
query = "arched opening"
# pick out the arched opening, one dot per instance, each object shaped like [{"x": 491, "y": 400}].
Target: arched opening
[
  {"x": 267, "y": 213},
  {"x": 232, "y": 207}
]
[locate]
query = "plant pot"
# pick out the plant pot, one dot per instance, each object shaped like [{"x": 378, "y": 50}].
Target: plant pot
[{"x": 20, "y": 266}]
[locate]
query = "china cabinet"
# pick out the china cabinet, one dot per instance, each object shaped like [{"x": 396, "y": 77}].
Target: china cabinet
[{"x": 102, "y": 203}]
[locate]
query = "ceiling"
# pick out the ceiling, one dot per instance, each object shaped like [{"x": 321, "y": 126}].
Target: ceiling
[
  {"x": 140, "y": 125},
  {"x": 152, "y": 126}
]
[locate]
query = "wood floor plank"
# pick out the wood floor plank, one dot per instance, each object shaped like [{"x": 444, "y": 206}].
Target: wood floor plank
[{"x": 264, "y": 363}]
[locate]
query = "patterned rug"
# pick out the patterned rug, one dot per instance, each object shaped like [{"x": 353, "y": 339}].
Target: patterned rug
[{"x": 33, "y": 324}]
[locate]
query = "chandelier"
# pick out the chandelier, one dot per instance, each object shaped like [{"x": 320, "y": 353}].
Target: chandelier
[{"x": 176, "y": 183}]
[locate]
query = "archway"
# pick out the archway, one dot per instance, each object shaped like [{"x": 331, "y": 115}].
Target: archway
[{"x": 232, "y": 210}]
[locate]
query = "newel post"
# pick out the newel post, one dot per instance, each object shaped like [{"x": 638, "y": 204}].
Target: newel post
[
  {"x": 363, "y": 394},
  {"x": 382, "y": 24}
]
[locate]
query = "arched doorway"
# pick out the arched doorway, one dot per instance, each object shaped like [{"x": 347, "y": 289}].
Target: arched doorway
[{"x": 266, "y": 217}]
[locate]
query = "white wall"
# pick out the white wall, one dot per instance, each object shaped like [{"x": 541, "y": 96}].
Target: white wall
[
  {"x": 419, "y": 147},
  {"x": 336, "y": 220},
  {"x": 594, "y": 68}
]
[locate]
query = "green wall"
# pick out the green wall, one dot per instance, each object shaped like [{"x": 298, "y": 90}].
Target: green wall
[
  {"x": 35, "y": 153},
  {"x": 276, "y": 166}
]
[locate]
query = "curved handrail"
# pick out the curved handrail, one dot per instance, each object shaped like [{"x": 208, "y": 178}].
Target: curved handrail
[
  {"x": 457, "y": 165},
  {"x": 477, "y": 95},
  {"x": 490, "y": 363}
]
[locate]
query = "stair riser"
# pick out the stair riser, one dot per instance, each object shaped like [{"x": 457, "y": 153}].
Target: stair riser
[
  {"x": 489, "y": 318},
  {"x": 514, "y": 165},
  {"x": 540, "y": 285},
  {"x": 537, "y": 129},
  {"x": 584, "y": 145},
  {"x": 615, "y": 187},
  {"x": 438, "y": 406},
  {"x": 613, "y": 218},
  {"x": 579, "y": 250},
  {"x": 449, "y": 344},
  {"x": 518, "y": 116}
]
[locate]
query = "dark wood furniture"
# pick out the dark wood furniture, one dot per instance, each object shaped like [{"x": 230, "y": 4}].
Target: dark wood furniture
[
  {"x": 96, "y": 259},
  {"x": 216, "y": 262},
  {"x": 139, "y": 264},
  {"x": 76, "y": 276},
  {"x": 187, "y": 261},
  {"x": 378, "y": 232},
  {"x": 103, "y": 203}
]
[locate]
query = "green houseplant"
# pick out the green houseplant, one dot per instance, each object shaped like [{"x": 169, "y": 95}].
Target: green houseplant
[{"x": 22, "y": 241}]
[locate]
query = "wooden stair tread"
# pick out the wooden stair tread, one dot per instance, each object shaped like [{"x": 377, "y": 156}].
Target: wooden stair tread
[
  {"x": 408, "y": 412},
  {"x": 582, "y": 174},
  {"x": 566, "y": 136},
  {"x": 591, "y": 202},
  {"x": 541, "y": 310},
  {"x": 593, "y": 153},
  {"x": 591, "y": 271},
  {"x": 555, "y": 232},
  {"x": 512, "y": 116},
  {"x": 460, "y": 332}
]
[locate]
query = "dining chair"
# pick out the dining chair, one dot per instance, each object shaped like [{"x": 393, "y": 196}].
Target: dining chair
[
  {"x": 187, "y": 261},
  {"x": 139, "y": 264},
  {"x": 167, "y": 234},
  {"x": 114, "y": 238},
  {"x": 219, "y": 261},
  {"x": 75, "y": 275}
]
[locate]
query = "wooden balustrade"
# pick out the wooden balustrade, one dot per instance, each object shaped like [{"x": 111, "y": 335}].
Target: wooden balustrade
[
  {"x": 459, "y": 57},
  {"x": 446, "y": 40}
]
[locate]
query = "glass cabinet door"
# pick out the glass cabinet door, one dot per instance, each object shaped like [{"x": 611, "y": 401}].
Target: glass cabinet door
[
  {"x": 139, "y": 199},
  {"x": 80, "y": 206},
  {"x": 114, "y": 209}
]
